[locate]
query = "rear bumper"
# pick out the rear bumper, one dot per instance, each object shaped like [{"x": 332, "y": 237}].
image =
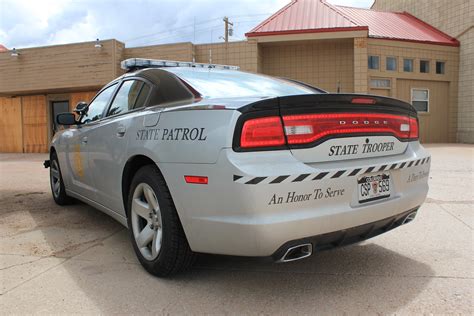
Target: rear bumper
[
  {"x": 246, "y": 211},
  {"x": 348, "y": 236}
]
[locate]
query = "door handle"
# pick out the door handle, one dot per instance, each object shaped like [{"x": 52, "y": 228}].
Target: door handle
[
  {"x": 84, "y": 140},
  {"x": 121, "y": 131}
]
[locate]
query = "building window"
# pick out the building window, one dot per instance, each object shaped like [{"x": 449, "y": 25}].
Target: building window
[
  {"x": 424, "y": 66},
  {"x": 391, "y": 63},
  {"x": 420, "y": 99},
  {"x": 440, "y": 67},
  {"x": 408, "y": 65},
  {"x": 380, "y": 83},
  {"x": 373, "y": 62}
]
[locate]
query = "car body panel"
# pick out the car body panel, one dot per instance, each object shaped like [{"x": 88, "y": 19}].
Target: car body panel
[
  {"x": 231, "y": 217},
  {"x": 255, "y": 201}
]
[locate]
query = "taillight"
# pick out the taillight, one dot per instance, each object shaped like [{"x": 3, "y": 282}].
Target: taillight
[
  {"x": 303, "y": 129},
  {"x": 414, "y": 128},
  {"x": 262, "y": 132},
  {"x": 308, "y": 128}
]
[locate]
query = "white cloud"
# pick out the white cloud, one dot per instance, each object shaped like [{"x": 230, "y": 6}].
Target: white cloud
[{"x": 26, "y": 23}]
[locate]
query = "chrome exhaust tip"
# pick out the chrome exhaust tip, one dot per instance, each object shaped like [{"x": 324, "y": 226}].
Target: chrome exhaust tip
[
  {"x": 297, "y": 253},
  {"x": 409, "y": 218}
]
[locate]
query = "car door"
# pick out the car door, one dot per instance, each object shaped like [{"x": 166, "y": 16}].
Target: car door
[
  {"x": 108, "y": 143},
  {"x": 80, "y": 178}
]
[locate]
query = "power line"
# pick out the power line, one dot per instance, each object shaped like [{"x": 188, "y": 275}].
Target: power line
[
  {"x": 190, "y": 25},
  {"x": 189, "y": 33},
  {"x": 171, "y": 30}
]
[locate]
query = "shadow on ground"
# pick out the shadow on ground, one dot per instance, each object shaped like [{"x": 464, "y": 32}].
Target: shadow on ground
[{"x": 99, "y": 262}]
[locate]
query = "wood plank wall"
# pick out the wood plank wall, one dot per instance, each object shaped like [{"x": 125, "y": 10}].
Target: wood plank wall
[
  {"x": 35, "y": 124},
  {"x": 77, "y": 97},
  {"x": 11, "y": 132}
]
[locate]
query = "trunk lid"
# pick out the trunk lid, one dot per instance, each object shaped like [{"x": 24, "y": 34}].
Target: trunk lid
[{"x": 331, "y": 127}]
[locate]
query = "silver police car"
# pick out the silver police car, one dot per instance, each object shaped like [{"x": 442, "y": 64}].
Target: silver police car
[{"x": 197, "y": 158}]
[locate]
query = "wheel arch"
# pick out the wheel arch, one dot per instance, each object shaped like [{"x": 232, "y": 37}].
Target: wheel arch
[
  {"x": 52, "y": 150},
  {"x": 132, "y": 165}
]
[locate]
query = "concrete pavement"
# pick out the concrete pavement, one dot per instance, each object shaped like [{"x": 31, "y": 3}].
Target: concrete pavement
[{"x": 77, "y": 260}]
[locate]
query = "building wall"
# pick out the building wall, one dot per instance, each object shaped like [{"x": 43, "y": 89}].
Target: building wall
[
  {"x": 327, "y": 64},
  {"x": 178, "y": 51},
  {"x": 243, "y": 54},
  {"x": 360, "y": 64},
  {"x": 433, "y": 53},
  {"x": 456, "y": 18},
  {"x": 57, "y": 68}
]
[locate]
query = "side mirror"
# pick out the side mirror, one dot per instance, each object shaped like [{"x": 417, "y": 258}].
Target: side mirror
[
  {"x": 81, "y": 108},
  {"x": 66, "y": 119}
]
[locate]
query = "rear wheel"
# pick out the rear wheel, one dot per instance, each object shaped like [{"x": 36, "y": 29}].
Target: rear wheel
[
  {"x": 56, "y": 181},
  {"x": 155, "y": 229}
]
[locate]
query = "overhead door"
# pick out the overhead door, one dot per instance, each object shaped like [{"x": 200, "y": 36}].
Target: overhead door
[{"x": 434, "y": 123}]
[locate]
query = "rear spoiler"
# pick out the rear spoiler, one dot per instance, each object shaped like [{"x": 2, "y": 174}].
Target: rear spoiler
[{"x": 331, "y": 102}]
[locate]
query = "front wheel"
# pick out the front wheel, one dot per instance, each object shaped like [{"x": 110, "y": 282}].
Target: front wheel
[
  {"x": 155, "y": 229},
  {"x": 56, "y": 181}
]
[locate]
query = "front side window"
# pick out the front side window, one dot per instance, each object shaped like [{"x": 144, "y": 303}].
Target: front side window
[
  {"x": 97, "y": 106},
  {"x": 127, "y": 96},
  {"x": 391, "y": 64},
  {"x": 424, "y": 66},
  {"x": 440, "y": 67},
  {"x": 420, "y": 99},
  {"x": 408, "y": 65},
  {"x": 373, "y": 62}
]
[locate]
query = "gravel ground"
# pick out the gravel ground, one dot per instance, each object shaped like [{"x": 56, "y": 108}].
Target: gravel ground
[{"x": 77, "y": 260}]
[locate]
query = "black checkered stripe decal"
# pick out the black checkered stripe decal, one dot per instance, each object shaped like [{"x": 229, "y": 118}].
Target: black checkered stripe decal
[{"x": 334, "y": 174}]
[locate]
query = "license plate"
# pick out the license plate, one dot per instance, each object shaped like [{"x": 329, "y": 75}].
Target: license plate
[{"x": 374, "y": 187}]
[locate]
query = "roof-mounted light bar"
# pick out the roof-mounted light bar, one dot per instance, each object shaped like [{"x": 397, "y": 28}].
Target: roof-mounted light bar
[{"x": 137, "y": 63}]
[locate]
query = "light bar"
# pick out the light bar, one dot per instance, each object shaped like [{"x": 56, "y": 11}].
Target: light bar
[{"x": 132, "y": 63}]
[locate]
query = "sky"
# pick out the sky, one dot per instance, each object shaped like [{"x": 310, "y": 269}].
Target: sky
[{"x": 29, "y": 23}]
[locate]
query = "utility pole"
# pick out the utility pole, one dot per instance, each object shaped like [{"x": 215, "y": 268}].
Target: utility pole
[{"x": 226, "y": 28}]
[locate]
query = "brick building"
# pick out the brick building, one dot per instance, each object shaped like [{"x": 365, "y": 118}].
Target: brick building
[
  {"x": 456, "y": 18},
  {"x": 339, "y": 49}
]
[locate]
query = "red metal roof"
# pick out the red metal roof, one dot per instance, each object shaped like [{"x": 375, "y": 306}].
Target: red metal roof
[
  {"x": 312, "y": 16},
  {"x": 3, "y": 48}
]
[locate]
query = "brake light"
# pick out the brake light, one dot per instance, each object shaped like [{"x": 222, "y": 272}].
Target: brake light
[
  {"x": 414, "y": 133},
  {"x": 262, "y": 132},
  {"x": 308, "y": 128},
  {"x": 363, "y": 101}
]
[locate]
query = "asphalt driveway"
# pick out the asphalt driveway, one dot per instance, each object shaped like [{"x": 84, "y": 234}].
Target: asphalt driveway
[{"x": 77, "y": 260}]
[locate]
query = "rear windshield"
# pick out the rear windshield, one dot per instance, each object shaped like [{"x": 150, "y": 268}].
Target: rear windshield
[{"x": 231, "y": 83}]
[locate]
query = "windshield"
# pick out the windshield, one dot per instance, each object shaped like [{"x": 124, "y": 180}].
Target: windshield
[{"x": 231, "y": 83}]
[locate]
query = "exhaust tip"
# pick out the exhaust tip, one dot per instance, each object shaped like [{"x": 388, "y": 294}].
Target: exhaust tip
[
  {"x": 409, "y": 218},
  {"x": 297, "y": 253}
]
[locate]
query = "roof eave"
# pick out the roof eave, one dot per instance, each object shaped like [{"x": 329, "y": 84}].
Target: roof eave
[
  {"x": 455, "y": 43},
  {"x": 305, "y": 31}
]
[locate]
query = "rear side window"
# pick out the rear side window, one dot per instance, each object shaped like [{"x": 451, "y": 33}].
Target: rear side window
[
  {"x": 140, "y": 103},
  {"x": 131, "y": 95}
]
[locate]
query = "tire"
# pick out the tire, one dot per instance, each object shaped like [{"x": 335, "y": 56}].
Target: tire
[
  {"x": 155, "y": 229},
  {"x": 58, "y": 189}
]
